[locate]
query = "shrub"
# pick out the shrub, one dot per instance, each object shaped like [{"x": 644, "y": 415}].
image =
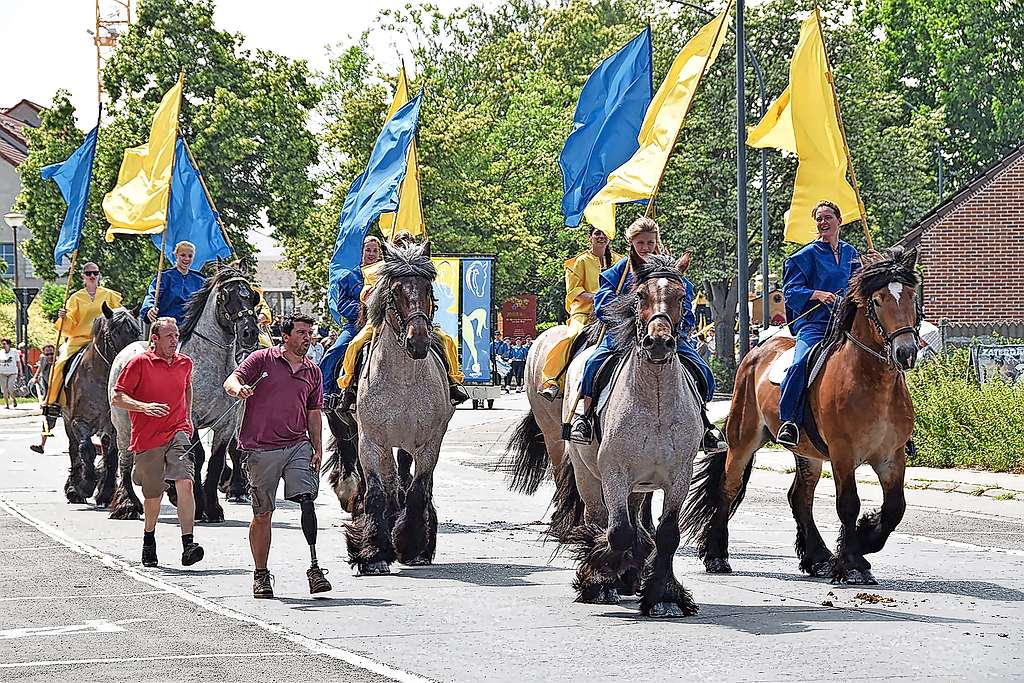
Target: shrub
[
  {"x": 725, "y": 375},
  {"x": 6, "y": 294},
  {"x": 960, "y": 423},
  {"x": 50, "y": 299}
]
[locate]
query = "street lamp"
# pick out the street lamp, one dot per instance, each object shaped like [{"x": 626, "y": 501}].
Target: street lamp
[
  {"x": 741, "y": 235},
  {"x": 16, "y": 219}
]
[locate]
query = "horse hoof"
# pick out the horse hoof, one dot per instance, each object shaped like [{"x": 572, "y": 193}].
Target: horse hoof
[
  {"x": 239, "y": 499},
  {"x": 214, "y": 518},
  {"x": 418, "y": 561},
  {"x": 823, "y": 569},
  {"x": 717, "y": 565},
  {"x": 74, "y": 498},
  {"x": 860, "y": 577},
  {"x": 608, "y": 596},
  {"x": 666, "y": 610},
  {"x": 373, "y": 569}
]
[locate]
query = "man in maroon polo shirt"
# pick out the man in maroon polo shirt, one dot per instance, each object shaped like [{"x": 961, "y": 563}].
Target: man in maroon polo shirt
[
  {"x": 155, "y": 388},
  {"x": 280, "y": 439}
]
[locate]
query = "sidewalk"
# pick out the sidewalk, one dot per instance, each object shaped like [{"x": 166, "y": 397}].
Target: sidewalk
[
  {"x": 996, "y": 485},
  {"x": 21, "y": 410}
]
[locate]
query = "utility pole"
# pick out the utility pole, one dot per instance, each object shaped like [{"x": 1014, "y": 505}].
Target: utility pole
[
  {"x": 742, "y": 276},
  {"x": 113, "y": 17}
]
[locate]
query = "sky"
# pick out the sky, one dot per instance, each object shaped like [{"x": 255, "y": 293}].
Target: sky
[{"x": 47, "y": 45}]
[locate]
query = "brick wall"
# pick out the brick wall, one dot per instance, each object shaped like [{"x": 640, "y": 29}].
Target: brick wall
[{"x": 973, "y": 257}]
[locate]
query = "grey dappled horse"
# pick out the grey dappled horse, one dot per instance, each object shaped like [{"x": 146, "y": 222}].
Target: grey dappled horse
[
  {"x": 651, "y": 429},
  {"x": 87, "y": 410},
  {"x": 218, "y": 333},
  {"x": 403, "y": 403}
]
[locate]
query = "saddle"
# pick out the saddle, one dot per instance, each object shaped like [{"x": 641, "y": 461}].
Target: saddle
[
  {"x": 816, "y": 359},
  {"x": 72, "y": 364},
  {"x": 582, "y": 340}
]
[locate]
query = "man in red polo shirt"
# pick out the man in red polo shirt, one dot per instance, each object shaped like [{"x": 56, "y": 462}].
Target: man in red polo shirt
[
  {"x": 280, "y": 439},
  {"x": 155, "y": 388}
]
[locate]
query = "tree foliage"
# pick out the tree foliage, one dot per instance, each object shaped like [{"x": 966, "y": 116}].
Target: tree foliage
[{"x": 244, "y": 114}]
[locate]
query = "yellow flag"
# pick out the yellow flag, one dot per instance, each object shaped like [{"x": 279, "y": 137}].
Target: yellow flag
[
  {"x": 637, "y": 178},
  {"x": 804, "y": 121},
  {"x": 410, "y": 211},
  {"x": 138, "y": 203}
]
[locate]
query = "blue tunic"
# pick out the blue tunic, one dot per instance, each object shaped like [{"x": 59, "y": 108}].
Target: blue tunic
[
  {"x": 519, "y": 352},
  {"x": 175, "y": 290},
  {"x": 348, "y": 307},
  {"x": 812, "y": 268},
  {"x": 607, "y": 292}
]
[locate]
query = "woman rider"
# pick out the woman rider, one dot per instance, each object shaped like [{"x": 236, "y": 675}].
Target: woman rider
[
  {"x": 582, "y": 277},
  {"x": 177, "y": 284},
  {"x": 348, "y": 305},
  {"x": 74, "y": 322},
  {"x": 813, "y": 281},
  {"x": 643, "y": 236},
  {"x": 348, "y": 380}
]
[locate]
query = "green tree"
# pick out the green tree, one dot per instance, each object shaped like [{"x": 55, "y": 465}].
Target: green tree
[{"x": 245, "y": 115}]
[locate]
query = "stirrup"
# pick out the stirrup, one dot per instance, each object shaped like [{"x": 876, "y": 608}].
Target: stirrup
[
  {"x": 789, "y": 434},
  {"x": 713, "y": 441},
  {"x": 550, "y": 392},
  {"x": 457, "y": 394},
  {"x": 582, "y": 430}
]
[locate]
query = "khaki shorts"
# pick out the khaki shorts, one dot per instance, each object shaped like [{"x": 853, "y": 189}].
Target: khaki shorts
[
  {"x": 266, "y": 469},
  {"x": 155, "y": 467}
]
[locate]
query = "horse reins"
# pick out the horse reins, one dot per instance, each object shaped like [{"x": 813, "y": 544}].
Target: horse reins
[
  {"x": 888, "y": 337},
  {"x": 641, "y": 326}
]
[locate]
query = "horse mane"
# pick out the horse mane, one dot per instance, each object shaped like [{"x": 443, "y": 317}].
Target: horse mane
[
  {"x": 621, "y": 313},
  {"x": 399, "y": 262},
  {"x": 864, "y": 283},
  {"x": 197, "y": 302}
]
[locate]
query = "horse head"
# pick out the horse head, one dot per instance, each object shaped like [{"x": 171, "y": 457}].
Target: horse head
[
  {"x": 404, "y": 297},
  {"x": 659, "y": 291},
  {"x": 886, "y": 293},
  {"x": 116, "y": 328},
  {"x": 237, "y": 302}
]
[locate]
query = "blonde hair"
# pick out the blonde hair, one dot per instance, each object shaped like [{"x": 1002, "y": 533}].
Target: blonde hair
[
  {"x": 184, "y": 243},
  {"x": 642, "y": 224}
]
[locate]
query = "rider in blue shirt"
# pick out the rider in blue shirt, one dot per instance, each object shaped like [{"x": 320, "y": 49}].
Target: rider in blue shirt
[
  {"x": 813, "y": 281},
  {"x": 177, "y": 284},
  {"x": 348, "y": 306},
  {"x": 642, "y": 235}
]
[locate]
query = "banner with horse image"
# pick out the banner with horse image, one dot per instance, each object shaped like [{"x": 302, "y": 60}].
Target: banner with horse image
[
  {"x": 446, "y": 291},
  {"x": 1002, "y": 363},
  {"x": 476, "y": 318}
]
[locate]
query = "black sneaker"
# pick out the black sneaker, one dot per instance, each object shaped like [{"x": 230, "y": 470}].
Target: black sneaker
[
  {"x": 713, "y": 442},
  {"x": 262, "y": 584},
  {"x": 192, "y": 553},
  {"x": 318, "y": 583},
  {"x": 550, "y": 392},
  {"x": 149, "y": 555},
  {"x": 457, "y": 394},
  {"x": 582, "y": 430},
  {"x": 789, "y": 434}
]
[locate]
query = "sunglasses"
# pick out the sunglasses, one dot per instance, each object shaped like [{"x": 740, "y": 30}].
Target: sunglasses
[{"x": 91, "y": 273}]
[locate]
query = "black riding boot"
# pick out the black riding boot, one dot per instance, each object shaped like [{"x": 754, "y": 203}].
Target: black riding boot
[
  {"x": 713, "y": 440},
  {"x": 582, "y": 428},
  {"x": 457, "y": 394}
]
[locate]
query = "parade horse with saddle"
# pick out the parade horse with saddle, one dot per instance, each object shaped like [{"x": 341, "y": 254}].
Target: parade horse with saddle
[
  {"x": 844, "y": 401},
  {"x": 219, "y": 331}
]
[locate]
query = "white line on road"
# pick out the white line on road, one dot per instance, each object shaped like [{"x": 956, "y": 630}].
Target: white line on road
[
  {"x": 31, "y": 547},
  {"x": 107, "y": 596},
  {"x": 962, "y": 545},
  {"x": 164, "y": 658},
  {"x": 311, "y": 644}
]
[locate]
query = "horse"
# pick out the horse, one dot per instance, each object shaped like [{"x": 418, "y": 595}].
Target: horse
[
  {"x": 87, "y": 412},
  {"x": 863, "y": 414},
  {"x": 403, "y": 403},
  {"x": 218, "y": 333}
]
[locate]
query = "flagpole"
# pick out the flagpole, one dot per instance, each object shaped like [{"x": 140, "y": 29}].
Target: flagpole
[
  {"x": 209, "y": 197},
  {"x": 167, "y": 204},
  {"x": 842, "y": 129},
  {"x": 649, "y": 213}
]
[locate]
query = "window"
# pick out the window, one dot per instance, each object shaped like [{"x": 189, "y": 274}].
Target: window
[
  {"x": 7, "y": 254},
  {"x": 281, "y": 303}
]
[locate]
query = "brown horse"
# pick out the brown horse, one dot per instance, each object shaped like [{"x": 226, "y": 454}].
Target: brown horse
[{"x": 863, "y": 414}]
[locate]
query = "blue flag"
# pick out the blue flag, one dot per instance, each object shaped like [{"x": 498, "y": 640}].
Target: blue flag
[
  {"x": 72, "y": 177},
  {"x": 606, "y": 124},
  {"x": 190, "y": 216},
  {"x": 371, "y": 194}
]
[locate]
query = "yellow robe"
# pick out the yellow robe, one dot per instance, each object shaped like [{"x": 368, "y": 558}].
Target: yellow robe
[
  {"x": 77, "y": 330},
  {"x": 371, "y": 274},
  {"x": 582, "y": 274}
]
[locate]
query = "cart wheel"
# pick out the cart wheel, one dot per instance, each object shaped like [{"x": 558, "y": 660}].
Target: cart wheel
[
  {"x": 476, "y": 404},
  {"x": 490, "y": 403}
]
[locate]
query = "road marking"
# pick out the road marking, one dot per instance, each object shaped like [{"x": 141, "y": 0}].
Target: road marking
[
  {"x": 961, "y": 544},
  {"x": 90, "y": 626},
  {"x": 31, "y": 547},
  {"x": 164, "y": 658},
  {"x": 311, "y": 644},
  {"x": 29, "y": 598}
]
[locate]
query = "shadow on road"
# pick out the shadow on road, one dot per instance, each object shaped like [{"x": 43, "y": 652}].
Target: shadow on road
[
  {"x": 174, "y": 571},
  {"x": 479, "y": 573},
  {"x": 984, "y": 590},
  {"x": 316, "y": 604}
]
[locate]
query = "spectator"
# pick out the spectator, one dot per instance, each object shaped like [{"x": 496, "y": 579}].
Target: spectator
[
  {"x": 280, "y": 438},
  {"x": 41, "y": 381},
  {"x": 10, "y": 369},
  {"x": 155, "y": 388},
  {"x": 316, "y": 349}
]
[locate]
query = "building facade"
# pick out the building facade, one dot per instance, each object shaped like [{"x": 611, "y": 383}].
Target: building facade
[{"x": 13, "y": 151}]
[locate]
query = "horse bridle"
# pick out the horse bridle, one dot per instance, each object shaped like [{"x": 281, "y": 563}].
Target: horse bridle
[
  {"x": 641, "y": 326},
  {"x": 231, "y": 318},
  {"x": 889, "y": 358},
  {"x": 399, "y": 324}
]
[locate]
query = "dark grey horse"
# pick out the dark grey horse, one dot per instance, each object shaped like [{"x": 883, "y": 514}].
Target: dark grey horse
[
  {"x": 87, "y": 411},
  {"x": 218, "y": 332}
]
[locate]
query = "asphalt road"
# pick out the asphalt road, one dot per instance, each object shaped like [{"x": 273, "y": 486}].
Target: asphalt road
[{"x": 497, "y": 605}]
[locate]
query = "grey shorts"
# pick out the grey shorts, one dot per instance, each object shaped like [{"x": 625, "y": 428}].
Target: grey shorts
[
  {"x": 155, "y": 467},
  {"x": 266, "y": 469}
]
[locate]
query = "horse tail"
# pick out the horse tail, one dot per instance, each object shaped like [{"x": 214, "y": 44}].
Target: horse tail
[
  {"x": 706, "y": 500},
  {"x": 568, "y": 512},
  {"x": 527, "y": 458}
]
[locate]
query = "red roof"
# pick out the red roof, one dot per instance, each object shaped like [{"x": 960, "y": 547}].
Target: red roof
[
  {"x": 13, "y": 125},
  {"x": 11, "y": 154}
]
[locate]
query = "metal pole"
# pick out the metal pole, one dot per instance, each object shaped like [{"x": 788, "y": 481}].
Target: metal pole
[
  {"x": 942, "y": 183},
  {"x": 741, "y": 187},
  {"x": 17, "y": 285}
]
